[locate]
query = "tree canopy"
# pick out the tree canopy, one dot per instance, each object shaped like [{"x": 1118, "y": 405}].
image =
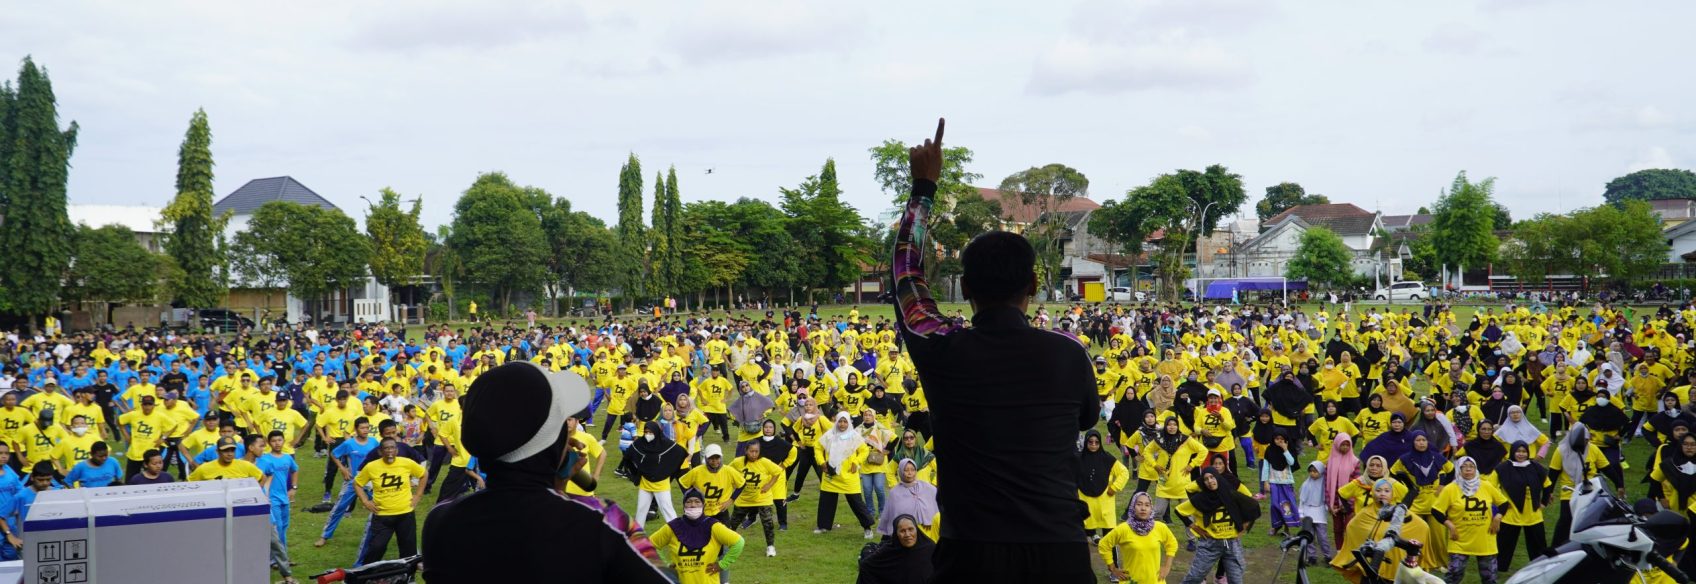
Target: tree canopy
[
  {"x": 1651, "y": 184},
  {"x": 831, "y": 243},
  {"x": 35, "y": 158},
  {"x": 893, "y": 172},
  {"x": 196, "y": 240},
  {"x": 1621, "y": 242},
  {"x": 1321, "y": 258},
  {"x": 1463, "y": 224},
  {"x": 1172, "y": 206},
  {"x": 1283, "y": 196},
  {"x": 1047, "y": 189},
  {"x": 397, "y": 239},
  {"x": 317, "y": 250},
  {"x": 111, "y": 266},
  {"x": 497, "y": 238}
]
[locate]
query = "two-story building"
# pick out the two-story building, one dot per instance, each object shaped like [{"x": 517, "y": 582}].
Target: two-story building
[{"x": 1269, "y": 253}]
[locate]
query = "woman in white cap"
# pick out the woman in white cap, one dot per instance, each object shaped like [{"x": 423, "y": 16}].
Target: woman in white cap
[{"x": 510, "y": 532}]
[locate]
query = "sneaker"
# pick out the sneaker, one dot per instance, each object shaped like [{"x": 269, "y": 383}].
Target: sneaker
[
  {"x": 783, "y": 527},
  {"x": 870, "y": 534},
  {"x": 793, "y": 498},
  {"x": 745, "y": 524},
  {"x": 1189, "y": 546},
  {"x": 817, "y": 531},
  {"x": 1545, "y": 420},
  {"x": 771, "y": 551}
]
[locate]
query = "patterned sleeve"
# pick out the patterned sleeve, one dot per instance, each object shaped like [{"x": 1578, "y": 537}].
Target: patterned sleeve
[{"x": 914, "y": 307}]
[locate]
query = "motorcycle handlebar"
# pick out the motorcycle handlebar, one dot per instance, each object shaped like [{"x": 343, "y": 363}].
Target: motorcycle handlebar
[{"x": 1660, "y": 562}]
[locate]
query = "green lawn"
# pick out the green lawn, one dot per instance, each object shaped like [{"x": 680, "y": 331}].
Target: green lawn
[{"x": 802, "y": 556}]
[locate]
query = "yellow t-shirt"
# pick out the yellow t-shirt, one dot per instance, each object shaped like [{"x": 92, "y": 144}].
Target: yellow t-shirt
[
  {"x": 147, "y": 431},
  {"x": 755, "y": 477},
  {"x": 1139, "y": 555},
  {"x": 288, "y": 421},
  {"x": 73, "y": 448},
  {"x": 12, "y": 422},
  {"x": 1371, "y": 425},
  {"x": 1219, "y": 526},
  {"x": 691, "y": 564},
  {"x": 1594, "y": 461},
  {"x": 592, "y": 450},
  {"x": 217, "y": 470},
  {"x": 391, "y": 484},
  {"x": 1529, "y": 512},
  {"x": 91, "y": 412},
  {"x": 846, "y": 481},
  {"x": 1325, "y": 432},
  {"x": 1471, "y": 516},
  {"x": 716, "y": 487}
]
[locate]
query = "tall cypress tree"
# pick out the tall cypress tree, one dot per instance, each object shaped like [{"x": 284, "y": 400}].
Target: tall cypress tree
[
  {"x": 195, "y": 233},
  {"x": 35, "y": 163},
  {"x": 632, "y": 237},
  {"x": 659, "y": 240},
  {"x": 673, "y": 232}
]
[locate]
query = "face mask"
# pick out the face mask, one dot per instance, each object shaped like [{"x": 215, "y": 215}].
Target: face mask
[
  {"x": 1489, "y": 371},
  {"x": 79, "y": 430},
  {"x": 1601, "y": 401},
  {"x": 692, "y": 512},
  {"x": 648, "y": 437}
]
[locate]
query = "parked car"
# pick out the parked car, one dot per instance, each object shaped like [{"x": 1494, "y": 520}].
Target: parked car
[
  {"x": 222, "y": 319},
  {"x": 1402, "y": 291},
  {"x": 1123, "y": 294}
]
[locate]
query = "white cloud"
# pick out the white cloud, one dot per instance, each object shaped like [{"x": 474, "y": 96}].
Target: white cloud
[
  {"x": 1653, "y": 157},
  {"x": 1196, "y": 133},
  {"x": 1114, "y": 47},
  {"x": 1639, "y": 118},
  {"x": 756, "y": 29},
  {"x": 467, "y": 26}
]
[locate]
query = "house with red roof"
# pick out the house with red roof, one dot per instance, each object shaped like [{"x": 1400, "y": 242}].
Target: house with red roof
[{"x": 1269, "y": 253}]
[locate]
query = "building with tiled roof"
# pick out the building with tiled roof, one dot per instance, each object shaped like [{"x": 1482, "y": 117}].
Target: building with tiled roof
[{"x": 1269, "y": 253}]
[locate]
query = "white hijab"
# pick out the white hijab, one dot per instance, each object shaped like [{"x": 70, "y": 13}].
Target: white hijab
[{"x": 840, "y": 445}]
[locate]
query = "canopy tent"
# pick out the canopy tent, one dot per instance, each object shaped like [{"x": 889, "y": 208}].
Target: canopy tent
[{"x": 1224, "y": 289}]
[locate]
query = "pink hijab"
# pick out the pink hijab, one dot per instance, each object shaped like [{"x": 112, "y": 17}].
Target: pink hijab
[{"x": 1340, "y": 468}]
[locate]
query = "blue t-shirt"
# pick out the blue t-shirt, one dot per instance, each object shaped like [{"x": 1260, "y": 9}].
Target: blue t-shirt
[
  {"x": 10, "y": 487},
  {"x": 278, "y": 467},
  {"x": 89, "y": 475},
  {"x": 353, "y": 454}
]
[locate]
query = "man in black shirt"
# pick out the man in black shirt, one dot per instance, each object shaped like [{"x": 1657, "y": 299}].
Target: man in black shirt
[
  {"x": 1007, "y": 402},
  {"x": 104, "y": 392}
]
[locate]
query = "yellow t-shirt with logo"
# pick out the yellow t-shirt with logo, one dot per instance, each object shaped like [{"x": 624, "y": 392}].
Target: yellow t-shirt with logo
[
  {"x": 1471, "y": 516},
  {"x": 288, "y": 421},
  {"x": 147, "y": 431},
  {"x": 74, "y": 448},
  {"x": 715, "y": 487},
  {"x": 217, "y": 470},
  {"x": 391, "y": 484},
  {"x": 755, "y": 477}
]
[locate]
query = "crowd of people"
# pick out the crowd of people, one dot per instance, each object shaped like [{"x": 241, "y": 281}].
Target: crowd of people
[{"x": 1250, "y": 415}]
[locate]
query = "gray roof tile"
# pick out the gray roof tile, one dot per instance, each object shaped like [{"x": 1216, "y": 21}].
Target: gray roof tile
[{"x": 248, "y": 198}]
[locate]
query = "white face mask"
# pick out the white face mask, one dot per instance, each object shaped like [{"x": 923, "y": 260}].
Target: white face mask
[
  {"x": 648, "y": 437},
  {"x": 692, "y": 512},
  {"x": 1601, "y": 401},
  {"x": 79, "y": 430}
]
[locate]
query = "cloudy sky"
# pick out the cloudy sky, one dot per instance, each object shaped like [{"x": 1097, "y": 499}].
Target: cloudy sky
[{"x": 1375, "y": 103}]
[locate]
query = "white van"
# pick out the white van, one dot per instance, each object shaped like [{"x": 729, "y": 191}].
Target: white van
[{"x": 1412, "y": 290}]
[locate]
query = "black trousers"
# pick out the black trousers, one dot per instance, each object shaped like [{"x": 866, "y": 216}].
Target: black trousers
[
  {"x": 403, "y": 528},
  {"x": 720, "y": 421},
  {"x": 173, "y": 454},
  {"x": 827, "y": 510},
  {"x": 986, "y": 563},
  {"x": 616, "y": 421},
  {"x": 1563, "y": 525},
  {"x": 1507, "y": 540},
  {"x": 438, "y": 456},
  {"x": 804, "y": 463},
  {"x": 330, "y": 471},
  {"x": 454, "y": 485},
  {"x": 131, "y": 467}
]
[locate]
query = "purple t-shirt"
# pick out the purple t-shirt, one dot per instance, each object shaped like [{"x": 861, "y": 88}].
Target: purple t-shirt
[{"x": 141, "y": 479}]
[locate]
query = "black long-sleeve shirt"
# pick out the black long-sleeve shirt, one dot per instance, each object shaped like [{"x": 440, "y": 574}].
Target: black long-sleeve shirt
[{"x": 1007, "y": 402}]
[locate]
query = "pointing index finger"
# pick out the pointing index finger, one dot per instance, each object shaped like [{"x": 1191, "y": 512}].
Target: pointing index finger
[{"x": 939, "y": 124}]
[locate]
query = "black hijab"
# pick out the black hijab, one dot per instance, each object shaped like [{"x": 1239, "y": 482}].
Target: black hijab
[
  {"x": 892, "y": 563},
  {"x": 1487, "y": 452},
  {"x": 773, "y": 446},
  {"x": 1287, "y": 397},
  {"x": 648, "y": 408},
  {"x": 1094, "y": 468},
  {"x": 1518, "y": 480},
  {"x": 656, "y": 460},
  {"x": 1683, "y": 484},
  {"x": 1239, "y": 509},
  {"x": 1274, "y": 455},
  {"x": 1600, "y": 418}
]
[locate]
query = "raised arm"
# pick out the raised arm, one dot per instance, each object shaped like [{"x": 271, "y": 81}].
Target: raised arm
[{"x": 915, "y": 309}]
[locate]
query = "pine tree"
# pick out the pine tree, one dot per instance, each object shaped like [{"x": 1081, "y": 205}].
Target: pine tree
[
  {"x": 35, "y": 231},
  {"x": 673, "y": 232},
  {"x": 659, "y": 250},
  {"x": 196, "y": 236},
  {"x": 631, "y": 234}
]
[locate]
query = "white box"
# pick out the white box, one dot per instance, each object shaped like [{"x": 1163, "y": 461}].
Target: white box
[{"x": 207, "y": 531}]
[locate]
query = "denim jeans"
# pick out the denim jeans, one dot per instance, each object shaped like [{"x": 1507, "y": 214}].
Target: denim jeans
[
  {"x": 1209, "y": 552},
  {"x": 873, "y": 488}
]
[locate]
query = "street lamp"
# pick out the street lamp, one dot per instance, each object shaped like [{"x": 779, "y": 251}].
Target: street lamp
[{"x": 1194, "y": 232}]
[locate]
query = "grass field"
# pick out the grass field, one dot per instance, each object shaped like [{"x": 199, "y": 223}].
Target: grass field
[{"x": 802, "y": 556}]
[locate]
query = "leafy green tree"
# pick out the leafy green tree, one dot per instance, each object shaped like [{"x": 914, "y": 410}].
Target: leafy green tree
[
  {"x": 1047, "y": 189},
  {"x": 397, "y": 240},
  {"x": 632, "y": 237},
  {"x": 716, "y": 257},
  {"x": 1424, "y": 255},
  {"x": 253, "y": 265},
  {"x": 35, "y": 158},
  {"x": 971, "y": 216},
  {"x": 1463, "y": 224},
  {"x": 1284, "y": 196},
  {"x": 828, "y": 232},
  {"x": 1321, "y": 258},
  {"x": 1174, "y": 208},
  {"x": 1621, "y": 242},
  {"x": 892, "y": 170},
  {"x": 196, "y": 240},
  {"x": 318, "y": 250},
  {"x": 111, "y": 266},
  {"x": 659, "y": 244},
  {"x": 673, "y": 230},
  {"x": 1651, "y": 184},
  {"x": 497, "y": 238},
  {"x": 581, "y": 250}
]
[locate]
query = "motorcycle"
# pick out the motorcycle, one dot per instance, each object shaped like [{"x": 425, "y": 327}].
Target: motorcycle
[{"x": 1611, "y": 543}]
